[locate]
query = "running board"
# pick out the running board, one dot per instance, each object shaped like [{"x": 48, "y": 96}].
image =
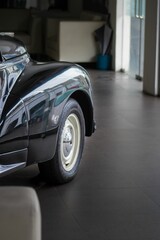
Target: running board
[{"x": 5, "y": 169}]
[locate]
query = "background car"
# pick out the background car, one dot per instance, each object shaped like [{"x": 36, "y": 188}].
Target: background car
[{"x": 46, "y": 111}]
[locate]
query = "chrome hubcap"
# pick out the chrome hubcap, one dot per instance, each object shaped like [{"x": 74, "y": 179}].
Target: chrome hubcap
[
  {"x": 70, "y": 142},
  {"x": 67, "y": 141}
]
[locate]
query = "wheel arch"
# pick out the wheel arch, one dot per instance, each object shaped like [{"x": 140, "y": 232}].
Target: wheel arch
[{"x": 86, "y": 105}]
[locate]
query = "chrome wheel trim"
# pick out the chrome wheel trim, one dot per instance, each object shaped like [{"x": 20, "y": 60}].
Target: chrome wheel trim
[{"x": 70, "y": 142}]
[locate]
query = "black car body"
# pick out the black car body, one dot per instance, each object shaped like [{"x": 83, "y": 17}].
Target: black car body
[{"x": 34, "y": 100}]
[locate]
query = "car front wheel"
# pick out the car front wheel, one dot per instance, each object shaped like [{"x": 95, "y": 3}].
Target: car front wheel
[{"x": 64, "y": 165}]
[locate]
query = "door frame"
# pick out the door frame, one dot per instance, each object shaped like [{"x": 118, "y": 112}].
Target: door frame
[{"x": 123, "y": 26}]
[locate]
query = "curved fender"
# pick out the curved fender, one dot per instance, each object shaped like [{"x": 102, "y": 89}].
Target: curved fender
[{"x": 44, "y": 96}]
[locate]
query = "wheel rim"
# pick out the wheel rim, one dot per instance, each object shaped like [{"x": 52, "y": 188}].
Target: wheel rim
[{"x": 70, "y": 142}]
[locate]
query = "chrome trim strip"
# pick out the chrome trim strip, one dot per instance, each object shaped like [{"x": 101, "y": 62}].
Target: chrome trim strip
[
  {"x": 14, "y": 157},
  {"x": 11, "y": 167},
  {"x": 13, "y": 152}
]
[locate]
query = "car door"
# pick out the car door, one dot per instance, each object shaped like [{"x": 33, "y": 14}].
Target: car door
[
  {"x": 37, "y": 106},
  {"x": 13, "y": 122}
]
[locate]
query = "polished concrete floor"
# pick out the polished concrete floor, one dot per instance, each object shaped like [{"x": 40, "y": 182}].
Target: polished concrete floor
[{"x": 116, "y": 194}]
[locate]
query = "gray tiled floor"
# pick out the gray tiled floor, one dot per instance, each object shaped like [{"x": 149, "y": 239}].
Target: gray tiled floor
[{"x": 116, "y": 194}]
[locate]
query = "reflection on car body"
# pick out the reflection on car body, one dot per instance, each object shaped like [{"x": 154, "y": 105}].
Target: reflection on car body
[{"x": 46, "y": 110}]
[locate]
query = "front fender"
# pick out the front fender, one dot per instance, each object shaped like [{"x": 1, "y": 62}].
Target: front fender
[
  {"x": 72, "y": 83},
  {"x": 45, "y": 94}
]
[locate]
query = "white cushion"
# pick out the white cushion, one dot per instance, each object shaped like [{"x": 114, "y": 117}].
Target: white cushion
[{"x": 20, "y": 217}]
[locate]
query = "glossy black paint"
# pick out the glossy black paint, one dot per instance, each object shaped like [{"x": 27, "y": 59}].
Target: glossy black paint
[{"x": 32, "y": 98}]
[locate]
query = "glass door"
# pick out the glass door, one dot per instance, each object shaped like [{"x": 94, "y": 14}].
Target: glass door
[{"x": 133, "y": 37}]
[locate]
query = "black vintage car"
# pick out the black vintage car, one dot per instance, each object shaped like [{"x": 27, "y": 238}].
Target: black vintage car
[{"x": 46, "y": 111}]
